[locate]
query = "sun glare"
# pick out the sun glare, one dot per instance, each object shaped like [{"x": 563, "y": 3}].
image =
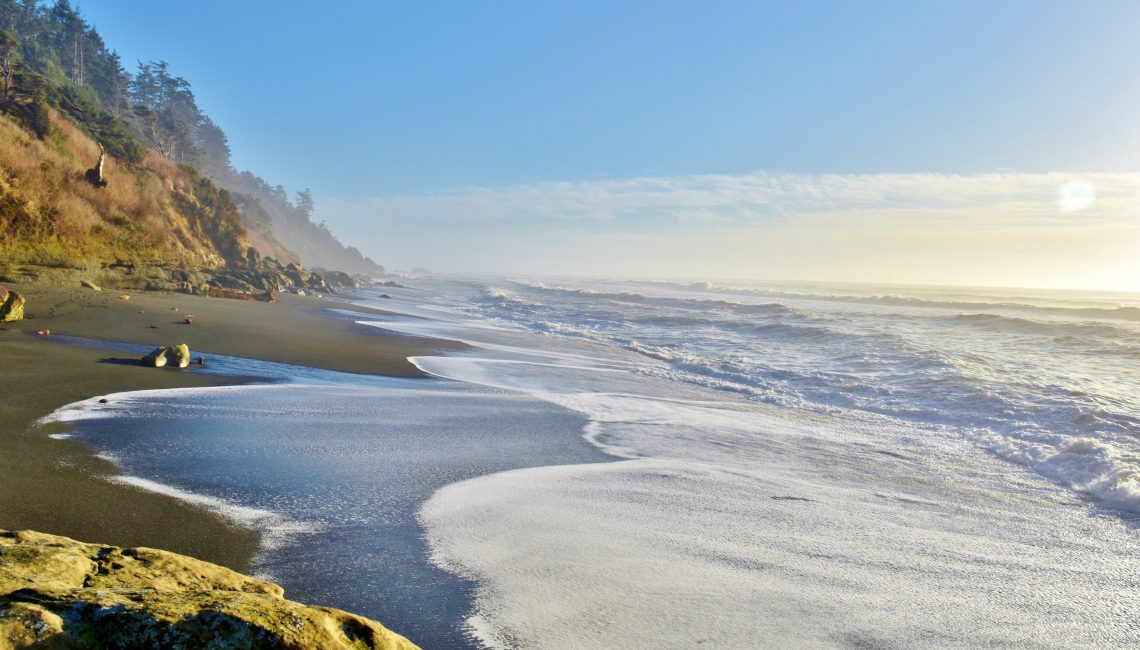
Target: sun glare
[{"x": 1075, "y": 195}]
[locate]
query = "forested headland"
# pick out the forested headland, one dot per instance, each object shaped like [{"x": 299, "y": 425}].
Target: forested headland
[{"x": 164, "y": 193}]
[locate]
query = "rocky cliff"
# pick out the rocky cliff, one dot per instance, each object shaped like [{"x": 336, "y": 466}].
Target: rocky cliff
[{"x": 56, "y": 592}]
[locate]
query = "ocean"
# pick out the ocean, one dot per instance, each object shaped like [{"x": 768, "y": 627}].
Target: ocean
[{"x": 661, "y": 464}]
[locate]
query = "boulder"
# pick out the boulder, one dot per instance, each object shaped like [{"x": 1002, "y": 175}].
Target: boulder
[
  {"x": 175, "y": 356},
  {"x": 12, "y": 307},
  {"x": 297, "y": 274},
  {"x": 317, "y": 283},
  {"x": 178, "y": 355},
  {"x": 275, "y": 280},
  {"x": 338, "y": 279},
  {"x": 232, "y": 281},
  {"x": 156, "y": 358},
  {"x": 56, "y": 592},
  {"x": 193, "y": 277}
]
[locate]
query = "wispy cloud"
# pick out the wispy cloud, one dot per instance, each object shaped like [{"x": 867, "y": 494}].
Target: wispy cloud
[
  {"x": 763, "y": 197},
  {"x": 1054, "y": 229}
]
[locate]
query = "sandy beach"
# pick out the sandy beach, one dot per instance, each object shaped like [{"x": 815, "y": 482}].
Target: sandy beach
[{"x": 56, "y": 486}]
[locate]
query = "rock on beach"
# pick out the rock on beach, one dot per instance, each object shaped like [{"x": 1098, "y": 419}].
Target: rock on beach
[
  {"x": 177, "y": 356},
  {"x": 11, "y": 306},
  {"x": 59, "y": 593}
]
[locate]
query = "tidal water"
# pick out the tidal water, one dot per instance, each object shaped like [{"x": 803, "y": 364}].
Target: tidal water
[
  {"x": 653, "y": 464},
  {"x": 332, "y": 472}
]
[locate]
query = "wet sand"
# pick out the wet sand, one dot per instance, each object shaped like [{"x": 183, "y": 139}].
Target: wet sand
[{"x": 56, "y": 486}]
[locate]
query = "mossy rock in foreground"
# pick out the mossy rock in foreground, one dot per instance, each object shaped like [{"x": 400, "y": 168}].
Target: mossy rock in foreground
[{"x": 56, "y": 592}]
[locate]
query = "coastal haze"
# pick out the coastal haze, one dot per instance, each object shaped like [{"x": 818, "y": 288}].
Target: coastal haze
[
  {"x": 970, "y": 144},
  {"x": 671, "y": 325}
]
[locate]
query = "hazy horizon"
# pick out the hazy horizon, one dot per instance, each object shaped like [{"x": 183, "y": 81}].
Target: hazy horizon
[
  {"x": 970, "y": 144},
  {"x": 556, "y": 281}
]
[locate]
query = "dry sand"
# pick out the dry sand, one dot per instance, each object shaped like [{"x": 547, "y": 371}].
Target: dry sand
[{"x": 57, "y": 486}]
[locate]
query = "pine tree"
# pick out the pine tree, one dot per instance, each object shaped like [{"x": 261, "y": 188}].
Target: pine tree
[{"x": 9, "y": 50}]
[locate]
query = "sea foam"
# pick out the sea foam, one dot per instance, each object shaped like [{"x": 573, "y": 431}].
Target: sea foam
[
  {"x": 275, "y": 529},
  {"x": 868, "y": 514},
  {"x": 648, "y": 552}
]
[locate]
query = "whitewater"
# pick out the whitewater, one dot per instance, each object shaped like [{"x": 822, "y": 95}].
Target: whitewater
[
  {"x": 1046, "y": 379},
  {"x": 662, "y": 464},
  {"x": 807, "y": 466}
]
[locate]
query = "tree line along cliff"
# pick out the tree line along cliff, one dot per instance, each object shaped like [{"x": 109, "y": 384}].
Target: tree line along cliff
[{"x": 171, "y": 197}]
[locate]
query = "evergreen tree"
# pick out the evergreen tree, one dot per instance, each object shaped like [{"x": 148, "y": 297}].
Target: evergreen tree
[
  {"x": 68, "y": 36},
  {"x": 305, "y": 204},
  {"x": 9, "y": 50},
  {"x": 211, "y": 142},
  {"x": 106, "y": 75}
]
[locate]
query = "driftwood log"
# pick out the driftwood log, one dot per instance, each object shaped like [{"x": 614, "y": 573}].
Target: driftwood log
[{"x": 95, "y": 174}]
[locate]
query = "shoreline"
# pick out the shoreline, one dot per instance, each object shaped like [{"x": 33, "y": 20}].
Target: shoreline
[
  {"x": 437, "y": 431},
  {"x": 59, "y": 486},
  {"x": 386, "y": 446}
]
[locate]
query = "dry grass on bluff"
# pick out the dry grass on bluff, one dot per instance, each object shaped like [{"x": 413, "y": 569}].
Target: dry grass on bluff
[{"x": 156, "y": 213}]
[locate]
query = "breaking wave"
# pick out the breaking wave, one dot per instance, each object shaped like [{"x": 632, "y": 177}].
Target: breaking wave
[{"x": 983, "y": 361}]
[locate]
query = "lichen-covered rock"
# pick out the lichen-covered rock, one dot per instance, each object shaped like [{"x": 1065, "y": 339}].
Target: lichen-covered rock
[
  {"x": 56, "y": 592},
  {"x": 297, "y": 274},
  {"x": 11, "y": 306},
  {"x": 178, "y": 355},
  {"x": 274, "y": 280},
  {"x": 27, "y": 625},
  {"x": 231, "y": 281},
  {"x": 156, "y": 358}
]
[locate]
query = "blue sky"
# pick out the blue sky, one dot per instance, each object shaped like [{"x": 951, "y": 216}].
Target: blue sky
[{"x": 376, "y": 104}]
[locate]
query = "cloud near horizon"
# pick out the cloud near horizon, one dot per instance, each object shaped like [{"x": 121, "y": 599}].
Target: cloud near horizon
[{"x": 1047, "y": 229}]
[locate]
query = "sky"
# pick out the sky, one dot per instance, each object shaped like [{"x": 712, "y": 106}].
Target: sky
[{"x": 980, "y": 143}]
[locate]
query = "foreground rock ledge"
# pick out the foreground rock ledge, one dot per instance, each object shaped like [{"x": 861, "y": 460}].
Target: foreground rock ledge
[{"x": 56, "y": 592}]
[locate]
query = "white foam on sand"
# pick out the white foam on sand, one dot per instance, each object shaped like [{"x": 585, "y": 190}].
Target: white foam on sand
[
  {"x": 734, "y": 524},
  {"x": 665, "y": 553},
  {"x": 275, "y": 529},
  {"x": 110, "y": 458},
  {"x": 120, "y": 404},
  {"x": 737, "y": 525}
]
